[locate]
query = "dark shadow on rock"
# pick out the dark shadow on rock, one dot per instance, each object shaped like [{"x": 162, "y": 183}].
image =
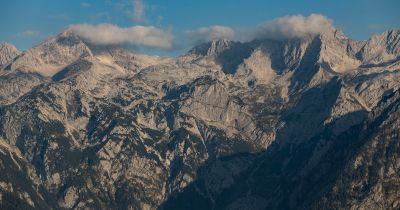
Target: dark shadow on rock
[
  {"x": 75, "y": 68},
  {"x": 306, "y": 115},
  {"x": 231, "y": 58},
  {"x": 278, "y": 51},
  {"x": 290, "y": 174},
  {"x": 383, "y": 64},
  {"x": 288, "y": 177},
  {"x": 367, "y": 77},
  {"x": 308, "y": 66}
]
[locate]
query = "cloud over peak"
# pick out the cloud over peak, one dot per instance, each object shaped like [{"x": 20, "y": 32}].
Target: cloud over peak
[
  {"x": 288, "y": 27},
  {"x": 210, "y": 33},
  {"x": 296, "y": 26},
  {"x": 108, "y": 34}
]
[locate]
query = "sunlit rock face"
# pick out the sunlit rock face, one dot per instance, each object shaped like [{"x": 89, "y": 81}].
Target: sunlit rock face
[
  {"x": 7, "y": 53},
  {"x": 309, "y": 123}
]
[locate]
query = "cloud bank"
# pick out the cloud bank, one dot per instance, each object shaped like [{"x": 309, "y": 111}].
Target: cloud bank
[
  {"x": 205, "y": 34},
  {"x": 288, "y": 27},
  {"x": 108, "y": 34},
  {"x": 297, "y": 26}
]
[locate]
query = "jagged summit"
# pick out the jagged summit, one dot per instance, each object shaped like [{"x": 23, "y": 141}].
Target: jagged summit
[
  {"x": 338, "y": 52},
  {"x": 52, "y": 55},
  {"x": 7, "y": 53},
  {"x": 5, "y": 46},
  {"x": 213, "y": 47},
  {"x": 381, "y": 48},
  {"x": 312, "y": 58},
  {"x": 66, "y": 48}
]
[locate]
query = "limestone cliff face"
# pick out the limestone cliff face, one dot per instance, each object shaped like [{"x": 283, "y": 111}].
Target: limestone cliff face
[{"x": 278, "y": 124}]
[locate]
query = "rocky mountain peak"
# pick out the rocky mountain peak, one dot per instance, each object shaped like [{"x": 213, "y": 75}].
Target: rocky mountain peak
[
  {"x": 68, "y": 38},
  {"x": 212, "y": 48},
  {"x": 218, "y": 46},
  {"x": 380, "y": 48},
  {"x": 338, "y": 52},
  {"x": 52, "y": 55},
  {"x": 7, "y": 53},
  {"x": 332, "y": 35}
]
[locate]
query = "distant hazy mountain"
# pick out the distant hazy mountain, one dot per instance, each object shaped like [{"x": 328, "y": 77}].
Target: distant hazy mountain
[{"x": 310, "y": 123}]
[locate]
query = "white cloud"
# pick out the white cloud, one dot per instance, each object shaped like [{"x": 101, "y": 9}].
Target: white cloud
[
  {"x": 205, "y": 34},
  {"x": 296, "y": 26},
  {"x": 107, "y": 34},
  {"x": 28, "y": 34},
  {"x": 138, "y": 10}
]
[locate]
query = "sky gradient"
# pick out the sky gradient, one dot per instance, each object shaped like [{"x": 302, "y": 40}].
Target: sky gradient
[{"x": 26, "y": 23}]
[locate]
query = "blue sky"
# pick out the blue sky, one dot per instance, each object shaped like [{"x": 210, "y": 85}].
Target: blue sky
[{"x": 26, "y": 23}]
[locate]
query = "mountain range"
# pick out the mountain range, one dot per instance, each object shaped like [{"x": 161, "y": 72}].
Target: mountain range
[{"x": 299, "y": 123}]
